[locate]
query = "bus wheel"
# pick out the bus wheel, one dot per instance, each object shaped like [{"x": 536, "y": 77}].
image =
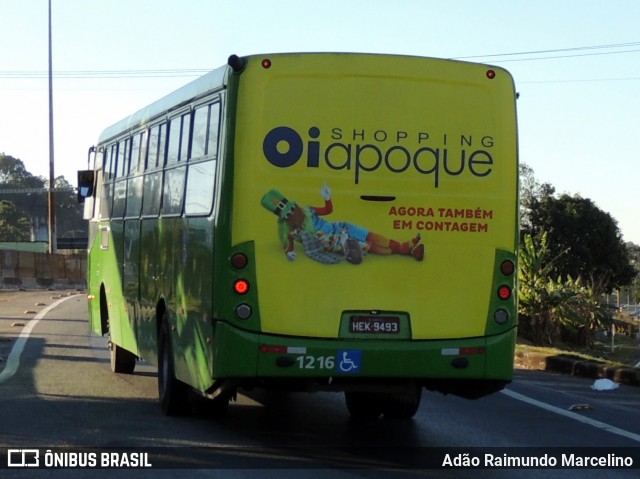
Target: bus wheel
[
  {"x": 122, "y": 361},
  {"x": 363, "y": 405},
  {"x": 173, "y": 394},
  {"x": 402, "y": 405}
]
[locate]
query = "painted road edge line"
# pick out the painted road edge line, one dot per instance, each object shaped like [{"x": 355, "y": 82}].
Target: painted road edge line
[
  {"x": 13, "y": 361},
  {"x": 572, "y": 415}
]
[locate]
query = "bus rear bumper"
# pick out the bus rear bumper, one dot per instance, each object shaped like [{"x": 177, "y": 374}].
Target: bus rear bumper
[{"x": 470, "y": 367}]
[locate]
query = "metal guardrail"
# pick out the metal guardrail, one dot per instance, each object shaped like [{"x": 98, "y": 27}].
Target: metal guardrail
[{"x": 14, "y": 191}]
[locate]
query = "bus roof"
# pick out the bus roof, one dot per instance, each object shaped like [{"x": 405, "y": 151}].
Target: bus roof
[{"x": 214, "y": 80}]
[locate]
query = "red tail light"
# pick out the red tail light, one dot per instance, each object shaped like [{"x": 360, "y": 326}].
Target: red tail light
[
  {"x": 241, "y": 286},
  {"x": 504, "y": 292}
]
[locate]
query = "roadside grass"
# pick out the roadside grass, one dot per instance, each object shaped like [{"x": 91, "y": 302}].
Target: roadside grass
[{"x": 625, "y": 351}]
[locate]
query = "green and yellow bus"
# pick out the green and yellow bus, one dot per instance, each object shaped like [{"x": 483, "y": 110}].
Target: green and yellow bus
[{"x": 313, "y": 222}]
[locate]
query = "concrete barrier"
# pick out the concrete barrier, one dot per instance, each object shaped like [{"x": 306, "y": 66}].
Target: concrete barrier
[{"x": 27, "y": 270}]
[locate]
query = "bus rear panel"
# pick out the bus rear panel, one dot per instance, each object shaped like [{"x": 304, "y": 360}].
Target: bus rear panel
[{"x": 375, "y": 201}]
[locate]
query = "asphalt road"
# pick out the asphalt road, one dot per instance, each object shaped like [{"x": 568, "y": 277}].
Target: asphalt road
[{"x": 60, "y": 393}]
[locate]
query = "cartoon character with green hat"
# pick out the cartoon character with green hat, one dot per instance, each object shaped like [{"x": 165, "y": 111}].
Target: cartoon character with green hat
[{"x": 330, "y": 242}]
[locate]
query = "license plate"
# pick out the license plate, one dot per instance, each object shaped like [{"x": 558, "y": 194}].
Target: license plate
[{"x": 374, "y": 324}]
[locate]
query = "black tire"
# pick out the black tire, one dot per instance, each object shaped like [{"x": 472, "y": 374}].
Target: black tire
[
  {"x": 363, "y": 405},
  {"x": 402, "y": 405},
  {"x": 122, "y": 361},
  {"x": 172, "y": 393}
]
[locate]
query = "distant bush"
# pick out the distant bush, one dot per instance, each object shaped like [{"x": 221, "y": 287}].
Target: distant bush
[{"x": 552, "y": 308}]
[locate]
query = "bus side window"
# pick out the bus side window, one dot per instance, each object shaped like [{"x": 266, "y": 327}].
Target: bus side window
[
  {"x": 199, "y": 141},
  {"x": 200, "y": 187},
  {"x": 202, "y": 176},
  {"x": 107, "y": 189},
  {"x": 120, "y": 184},
  {"x": 134, "y": 196},
  {"x": 173, "y": 191},
  {"x": 162, "y": 143},
  {"x": 184, "y": 142},
  {"x": 119, "y": 197},
  {"x": 143, "y": 150},
  {"x": 106, "y": 162},
  {"x": 152, "y": 183},
  {"x": 152, "y": 193},
  {"x": 135, "y": 153},
  {"x": 173, "y": 153},
  {"x": 214, "y": 130},
  {"x": 179, "y": 139},
  {"x": 134, "y": 183},
  {"x": 124, "y": 155},
  {"x": 153, "y": 147},
  {"x": 138, "y": 152},
  {"x": 206, "y": 123}
]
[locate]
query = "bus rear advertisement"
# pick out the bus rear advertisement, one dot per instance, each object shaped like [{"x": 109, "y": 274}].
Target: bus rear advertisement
[
  {"x": 370, "y": 157},
  {"x": 313, "y": 222}
]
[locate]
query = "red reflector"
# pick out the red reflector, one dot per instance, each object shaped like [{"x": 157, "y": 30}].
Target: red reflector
[
  {"x": 239, "y": 260},
  {"x": 491, "y": 74},
  {"x": 273, "y": 349},
  {"x": 471, "y": 351},
  {"x": 266, "y": 63},
  {"x": 504, "y": 292},
  {"x": 241, "y": 286},
  {"x": 507, "y": 267}
]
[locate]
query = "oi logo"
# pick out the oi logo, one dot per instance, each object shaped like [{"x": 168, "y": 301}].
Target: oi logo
[{"x": 295, "y": 147}]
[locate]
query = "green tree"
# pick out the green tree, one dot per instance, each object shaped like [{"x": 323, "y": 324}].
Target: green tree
[
  {"x": 631, "y": 292},
  {"x": 536, "y": 291},
  {"x": 13, "y": 225},
  {"x": 552, "y": 308},
  {"x": 531, "y": 192},
  {"x": 590, "y": 236},
  {"x": 572, "y": 252},
  {"x": 13, "y": 174},
  {"x": 32, "y": 201}
]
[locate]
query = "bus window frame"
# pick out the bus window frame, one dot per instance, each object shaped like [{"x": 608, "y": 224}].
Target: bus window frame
[
  {"x": 179, "y": 116},
  {"x": 109, "y": 168},
  {"x": 182, "y": 158},
  {"x": 208, "y": 104},
  {"x": 135, "y": 178},
  {"x": 122, "y": 177},
  {"x": 157, "y": 156},
  {"x": 161, "y": 125},
  {"x": 167, "y": 173},
  {"x": 212, "y": 196}
]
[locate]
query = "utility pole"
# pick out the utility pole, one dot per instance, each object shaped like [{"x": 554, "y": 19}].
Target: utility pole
[{"x": 53, "y": 247}]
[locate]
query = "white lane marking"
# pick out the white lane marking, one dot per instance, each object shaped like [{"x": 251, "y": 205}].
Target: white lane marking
[
  {"x": 577, "y": 417},
  {"x": 13, "y": 361}
]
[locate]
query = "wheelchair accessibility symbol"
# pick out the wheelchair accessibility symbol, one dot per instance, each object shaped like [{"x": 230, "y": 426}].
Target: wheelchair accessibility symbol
[{"x": 350, "y": 362}]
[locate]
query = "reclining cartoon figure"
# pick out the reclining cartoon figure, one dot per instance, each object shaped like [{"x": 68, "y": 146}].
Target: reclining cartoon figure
[{"x": 330, "y": 242}]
